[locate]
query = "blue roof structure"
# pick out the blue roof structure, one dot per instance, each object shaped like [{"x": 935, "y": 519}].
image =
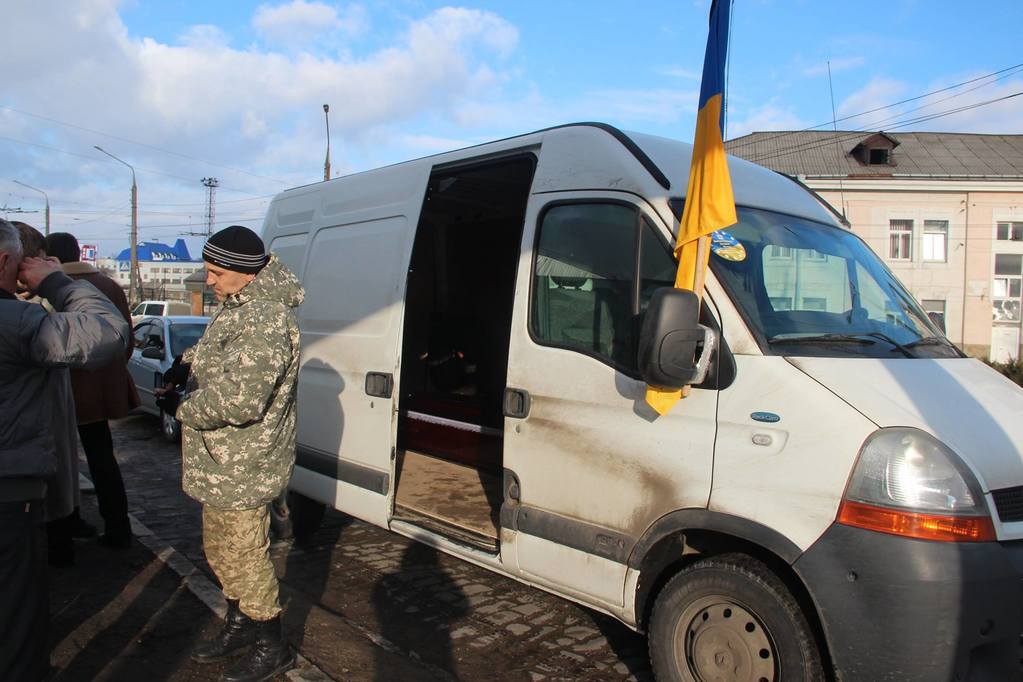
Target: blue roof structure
[{"x": 157, "y": 252}]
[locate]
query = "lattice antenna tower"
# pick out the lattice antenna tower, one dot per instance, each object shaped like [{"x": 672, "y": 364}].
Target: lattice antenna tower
[{"x": 211, "y": 185}]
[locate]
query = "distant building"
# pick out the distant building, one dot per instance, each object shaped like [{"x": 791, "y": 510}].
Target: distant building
[
  {"x": 944, "y": 211},
  {"x": 163, "y": 269}
]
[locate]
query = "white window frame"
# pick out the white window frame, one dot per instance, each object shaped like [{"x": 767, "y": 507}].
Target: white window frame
[
  {"x": 1014, "y": 227},
  {"x": 905, "y": 237},
  {"x": 1004, "y": 295},
  {"x": 931, "y": 228}
]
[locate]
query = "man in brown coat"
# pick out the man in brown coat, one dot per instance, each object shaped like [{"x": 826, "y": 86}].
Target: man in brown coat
[{"x": 100, "y": 395}]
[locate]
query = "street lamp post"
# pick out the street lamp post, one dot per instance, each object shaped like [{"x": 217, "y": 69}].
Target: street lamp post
[
  {"x": 134, "y": 281},
  {"x": 36, "y": 189},
  {"x": 326, "y": 163}
]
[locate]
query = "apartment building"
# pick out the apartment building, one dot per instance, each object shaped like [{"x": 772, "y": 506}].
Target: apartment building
[
  {"x": 944, "y": 211},
  {"x": 162, "y": 268}
]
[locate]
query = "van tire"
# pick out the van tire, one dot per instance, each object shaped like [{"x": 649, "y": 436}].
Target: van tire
[
  {"x": 731, "y": 613},
  {"x": 293, "y": 515}
]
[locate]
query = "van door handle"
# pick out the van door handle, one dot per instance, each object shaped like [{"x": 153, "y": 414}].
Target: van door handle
[
  {"x": 516, "y": 403},
  {"x": 379, "y": 384}
]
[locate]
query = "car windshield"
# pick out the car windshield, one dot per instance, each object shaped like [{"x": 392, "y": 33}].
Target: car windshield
[
  {"x": 184, "y": 336},
  {"x": 806, "y": 288}
]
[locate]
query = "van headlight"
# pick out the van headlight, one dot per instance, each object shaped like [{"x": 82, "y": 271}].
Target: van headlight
[{"x": 906, "y": 482}]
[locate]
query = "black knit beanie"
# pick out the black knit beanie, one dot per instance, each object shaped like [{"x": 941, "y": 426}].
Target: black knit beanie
[{"x": 236, "y": 248}]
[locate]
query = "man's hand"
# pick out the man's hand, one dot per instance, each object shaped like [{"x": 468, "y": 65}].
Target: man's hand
[
  {"x": 168, "y": 402},
  {"x": 34, "y": 270}
]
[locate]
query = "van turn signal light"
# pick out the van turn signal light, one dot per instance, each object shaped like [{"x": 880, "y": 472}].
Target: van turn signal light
[{"x": 917, "y": 525}]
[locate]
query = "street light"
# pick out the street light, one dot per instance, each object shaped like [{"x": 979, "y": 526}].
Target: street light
[
  {"x": 16, "y": 182},
  {"x": 326, "y": 163},
  {"x": 134, "y": 281}
]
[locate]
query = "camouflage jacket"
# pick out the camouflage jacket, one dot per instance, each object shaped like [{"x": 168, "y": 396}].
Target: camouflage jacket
[{"x": 238, "y": 419}]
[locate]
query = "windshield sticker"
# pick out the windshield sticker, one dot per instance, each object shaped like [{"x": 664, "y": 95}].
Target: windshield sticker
[{"x": 724, "y": 245}]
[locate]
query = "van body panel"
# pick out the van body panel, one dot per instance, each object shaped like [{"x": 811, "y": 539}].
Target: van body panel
[
  {"x": 591, "y": 449},
  {"x": 792, "y": 477},
  {"x": 969, "y": 406}
]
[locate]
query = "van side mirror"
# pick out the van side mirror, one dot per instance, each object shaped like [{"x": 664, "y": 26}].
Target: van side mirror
[
  {"x": 675, "y": 350},
  {"x": 938, "y": 319},
  {"x": 153, "y": 353}
]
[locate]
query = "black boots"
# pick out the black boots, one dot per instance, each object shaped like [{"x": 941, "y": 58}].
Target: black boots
[
  {"x": 271, "y": 655},
  {"x": 239, "y": 631}
]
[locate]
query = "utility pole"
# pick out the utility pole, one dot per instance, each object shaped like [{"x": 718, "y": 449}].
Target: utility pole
[
  {"x": 211, "y": 185},
  {"x": 135, "y": 281},
  {"x": 45, "y": 196},
  {"x": 326, "y": 163}
]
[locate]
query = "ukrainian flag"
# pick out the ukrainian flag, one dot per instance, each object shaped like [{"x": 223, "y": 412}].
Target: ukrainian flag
[{"x": 710, "y": 204}]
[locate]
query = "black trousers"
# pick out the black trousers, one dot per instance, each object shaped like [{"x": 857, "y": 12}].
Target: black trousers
[
  {"x": 106, "y": 477},
  {"x": 24, "y": 602}
]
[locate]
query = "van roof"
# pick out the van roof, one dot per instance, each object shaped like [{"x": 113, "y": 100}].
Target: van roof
[{"x": 577, "y": 156}]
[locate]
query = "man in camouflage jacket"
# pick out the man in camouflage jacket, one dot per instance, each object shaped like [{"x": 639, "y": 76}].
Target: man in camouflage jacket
[{"x": 238, "y": 439}]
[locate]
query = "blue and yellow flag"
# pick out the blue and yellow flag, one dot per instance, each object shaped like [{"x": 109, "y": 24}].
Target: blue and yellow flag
[{"x": 710, "y": 204}]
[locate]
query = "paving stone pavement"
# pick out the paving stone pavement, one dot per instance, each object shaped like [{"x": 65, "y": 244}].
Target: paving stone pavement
[{"x": 458, "y": 621}]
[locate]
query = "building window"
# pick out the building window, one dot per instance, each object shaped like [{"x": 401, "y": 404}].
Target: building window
[
  {"x": 1007, "y": 287},
  {"x": 935, "y": 244},
  {"x": 1010, "y": 232},
  {"x": 780, "y": 251},
  {"x": 879, "y": 157},
  {"x": 815, "y": 303},
  {"x": 815, "y": 256},
  {"x": 900, "y": 239},
  {"x": 935, "y": 309},
  {"x": 781, "y": 303}
]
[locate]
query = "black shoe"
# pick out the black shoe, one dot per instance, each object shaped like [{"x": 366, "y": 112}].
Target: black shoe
[
  {"x": 270, "y": 656},
  {"x": 239, "y": 631},
  {"x": 115, "y": 540}
]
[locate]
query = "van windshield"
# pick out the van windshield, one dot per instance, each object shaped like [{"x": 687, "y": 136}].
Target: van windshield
[{"x": 806, "y": 288}]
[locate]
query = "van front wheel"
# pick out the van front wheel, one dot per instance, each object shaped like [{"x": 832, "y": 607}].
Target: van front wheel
[{"x": 730, "y": 618}]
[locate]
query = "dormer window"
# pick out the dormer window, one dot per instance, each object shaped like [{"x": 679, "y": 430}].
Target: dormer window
[
  {"x": 875, "y": 150},
  {"x": 879, "y": 157}
]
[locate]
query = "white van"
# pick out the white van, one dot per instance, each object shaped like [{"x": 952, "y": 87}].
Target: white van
[
  {"x": 840, "y": 495},
  {"x": 159, "y": 309}
]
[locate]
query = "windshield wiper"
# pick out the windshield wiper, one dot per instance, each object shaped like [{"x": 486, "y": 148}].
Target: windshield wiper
[
  {"x": 898, "y": 346},
  {"x": 822, "y": 338},
  {"x": 844, "y": 338},
  {"x": 933, "y": 341}
]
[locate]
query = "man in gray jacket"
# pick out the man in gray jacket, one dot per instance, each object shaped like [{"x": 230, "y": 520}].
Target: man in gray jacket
[{"x": 85, "y": 331}]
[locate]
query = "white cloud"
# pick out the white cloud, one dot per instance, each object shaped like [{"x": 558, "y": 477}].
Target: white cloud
[
  {"x": 769, "y": 116},
  {"x": 300, "y": 22},
  {"x": 256, "y": 109}
]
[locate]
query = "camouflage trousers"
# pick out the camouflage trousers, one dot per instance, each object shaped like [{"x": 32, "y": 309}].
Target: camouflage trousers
[{"x": 237, "y": 546}]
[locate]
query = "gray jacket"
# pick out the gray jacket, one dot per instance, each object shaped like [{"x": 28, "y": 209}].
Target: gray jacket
[{"x": 86, "y": 331}]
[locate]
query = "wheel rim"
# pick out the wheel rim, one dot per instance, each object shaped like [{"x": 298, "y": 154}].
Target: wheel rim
[
  {"x": 168, "y": 424},
  {"x": 718, "y": 640}
]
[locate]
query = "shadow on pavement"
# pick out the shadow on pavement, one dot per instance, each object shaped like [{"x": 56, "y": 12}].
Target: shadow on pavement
[{"x": 425, "y": 627}]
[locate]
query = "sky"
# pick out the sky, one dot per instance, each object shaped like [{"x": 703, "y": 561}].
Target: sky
[{"x": 234, "y": 90}]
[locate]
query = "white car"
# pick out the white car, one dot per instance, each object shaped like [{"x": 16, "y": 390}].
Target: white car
[
  {"x": 159, "y": 308},
  {"x": 158, "y": 340}
]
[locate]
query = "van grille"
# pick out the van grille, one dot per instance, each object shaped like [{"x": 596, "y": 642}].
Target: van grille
[{"x": 1009, "y": 503}]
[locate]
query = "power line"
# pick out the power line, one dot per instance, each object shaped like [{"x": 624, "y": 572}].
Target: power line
[
  {"x": 1001, "y": 73},
  {"x": 102, "y": 160},
  {"x": 140, "y": 144},
  {"x": 855, "y": 134}
]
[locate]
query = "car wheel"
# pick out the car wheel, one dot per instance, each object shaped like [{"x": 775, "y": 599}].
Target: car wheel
[
  {"x": 730, "y": 618},
  {"x": 170, "y": 427},
  {"x": 295, "y": 515}
]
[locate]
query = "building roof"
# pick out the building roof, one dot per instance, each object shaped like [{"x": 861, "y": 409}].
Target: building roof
[
  {"x": 157, "y": 252},
  {"x": 817, "y": 153}
]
